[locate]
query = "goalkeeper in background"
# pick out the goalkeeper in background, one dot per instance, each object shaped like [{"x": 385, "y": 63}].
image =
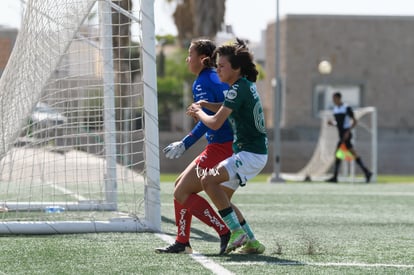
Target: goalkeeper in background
[
  {"x": 345, "y": 121},
  {"x": 187, "y": 202}
]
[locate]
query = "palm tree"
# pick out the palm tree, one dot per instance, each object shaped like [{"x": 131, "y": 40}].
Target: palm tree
[
  {"x": 121, "y": 40},
  {"x": 208, "y": 17},
  {"x": 197, "y": 18}
]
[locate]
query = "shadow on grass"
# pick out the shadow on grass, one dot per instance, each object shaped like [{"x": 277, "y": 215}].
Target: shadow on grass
[
  {"x": 256, "y": 259},
  {"x": 239, "y": 258}
]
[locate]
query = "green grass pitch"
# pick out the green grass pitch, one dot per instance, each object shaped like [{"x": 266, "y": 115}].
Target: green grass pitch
[{"x": 308, "y": 228}]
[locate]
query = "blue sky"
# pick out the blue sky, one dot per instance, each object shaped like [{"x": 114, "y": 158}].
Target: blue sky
[{"x": 248, "y": 21}]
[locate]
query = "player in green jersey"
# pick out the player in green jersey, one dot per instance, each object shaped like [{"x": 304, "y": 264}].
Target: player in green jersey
[{"x": 243, "y": 108}]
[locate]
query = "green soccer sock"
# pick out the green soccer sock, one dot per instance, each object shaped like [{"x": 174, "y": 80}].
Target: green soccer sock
[
  {"x": 248, "y": 230},
  {"x": 230, "y": 218}
]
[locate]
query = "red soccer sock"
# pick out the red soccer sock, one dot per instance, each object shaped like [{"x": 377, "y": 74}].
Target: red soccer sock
[
  {"x": 201, "y": 209},
  {"x": 183, "y": 222}
]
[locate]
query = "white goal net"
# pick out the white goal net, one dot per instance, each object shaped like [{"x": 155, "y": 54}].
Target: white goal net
[
  {"x": 323, "y": 157},
  {"x": 79, "y": 124}
]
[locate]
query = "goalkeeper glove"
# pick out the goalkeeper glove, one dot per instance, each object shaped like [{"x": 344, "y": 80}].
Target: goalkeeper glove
[{"x": 174, "y": 150}]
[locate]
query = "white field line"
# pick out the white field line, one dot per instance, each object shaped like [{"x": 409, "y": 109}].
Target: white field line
[
  {"x": 385, "y": 194},
  {"x": 364, "y": 265},
  {"x": 323, "y": 264},
  {"x": 68, "y": 192},
  {"x": 203, "y": 260},
  {"x": 362, "y": 194}
]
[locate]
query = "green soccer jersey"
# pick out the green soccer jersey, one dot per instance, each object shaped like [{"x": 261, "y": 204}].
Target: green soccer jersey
[{"x": 247, "y": 118}]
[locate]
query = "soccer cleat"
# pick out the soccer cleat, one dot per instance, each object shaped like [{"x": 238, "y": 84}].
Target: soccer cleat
[
  {"x": 333, "y": 179},
  {"x": 237, "y": 239},
  {"x": 252, "y": 247},
  {"x": 368, "y": 176},
  {"x": 178, "y": 248},
  {"x": 224, "y": 240}
]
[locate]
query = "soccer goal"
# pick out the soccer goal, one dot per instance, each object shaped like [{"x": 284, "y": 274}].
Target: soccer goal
[
  {"x": 79, "y": 125},
  {"x": 323, "y": 157}
]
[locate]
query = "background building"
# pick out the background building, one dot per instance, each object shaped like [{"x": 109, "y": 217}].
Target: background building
[
  {"x": 7, "y": 39},
  {"x": 370, "y": 64}
]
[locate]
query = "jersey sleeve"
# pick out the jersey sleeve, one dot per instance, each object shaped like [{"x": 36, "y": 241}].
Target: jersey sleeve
[
  {"x": 199, "y": 93},
  {"x": 233, "y": 99},
  {"x": 196, "y": 133}
]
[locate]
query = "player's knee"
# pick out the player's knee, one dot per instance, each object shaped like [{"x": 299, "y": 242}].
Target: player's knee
[
  {"x": 210, "y": 184},
  {"x": 177, "y": 195},
  {"x": 180, "y": 193},
  {"x": 206, "y": 183}
]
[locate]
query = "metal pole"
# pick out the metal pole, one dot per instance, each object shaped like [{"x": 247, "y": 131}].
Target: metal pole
[
  {"x": 109, "y": 103},
  {"x": 275, "y": 178},
  {"x": 374, "y": 148}
]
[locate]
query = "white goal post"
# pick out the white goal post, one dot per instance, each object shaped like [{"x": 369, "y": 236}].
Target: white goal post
[{"x": 79, "y": 120}]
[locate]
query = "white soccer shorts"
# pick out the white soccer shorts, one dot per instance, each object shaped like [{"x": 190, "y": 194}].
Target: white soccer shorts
[{"x": 242, "y": 167}]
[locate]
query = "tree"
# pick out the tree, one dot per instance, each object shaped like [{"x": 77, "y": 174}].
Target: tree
[
  {"x": 208, "y": 17},
  {"x": 193, "y": 19},
  {"x": 198, "y": 18},
  {"x": 121, "y": 44},
  {"x": 171, "y": 87}
]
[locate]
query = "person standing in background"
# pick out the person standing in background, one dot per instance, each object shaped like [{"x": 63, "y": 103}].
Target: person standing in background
[{"x": 345, "y": 121}]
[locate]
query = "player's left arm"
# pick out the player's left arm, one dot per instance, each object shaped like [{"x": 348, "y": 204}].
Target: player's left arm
[{"x": 351, "y": 114}]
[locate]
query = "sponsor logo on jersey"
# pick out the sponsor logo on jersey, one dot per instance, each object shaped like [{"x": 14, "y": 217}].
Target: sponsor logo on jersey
[
  {"x": 200, "y": 96},
  {"x": 231, "y": 94}
]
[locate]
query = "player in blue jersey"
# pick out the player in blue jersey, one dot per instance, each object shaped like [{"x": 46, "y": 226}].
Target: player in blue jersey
[
  {"x": 345, "y": 121},
  {"x": 243, "y": 108},
  {"x": 187, "y": 202}
]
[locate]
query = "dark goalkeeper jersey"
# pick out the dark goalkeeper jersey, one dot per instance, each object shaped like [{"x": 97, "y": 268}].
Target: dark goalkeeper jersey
[{"x": 343, "y": 115}]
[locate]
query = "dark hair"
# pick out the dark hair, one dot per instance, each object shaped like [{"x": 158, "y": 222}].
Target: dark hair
[
  {"x": 338, "y": 95},
  {"x": 239, "y": 56},
  {"x": 205, "y": 47}
]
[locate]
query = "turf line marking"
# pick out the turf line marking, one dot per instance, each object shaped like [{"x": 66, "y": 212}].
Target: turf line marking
[
  {"x": 322, "y": 264},
  {"x": 363, "y": 265},
  {"x": 203, "y": 260},
  {"x": 68, "y": 192}
]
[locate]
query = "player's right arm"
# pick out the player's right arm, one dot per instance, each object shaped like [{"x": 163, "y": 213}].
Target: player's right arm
[
  {"x": 212, "y": 121},
  {"x": 176, "y": 149},
  {"x": 211, "y": 106}
]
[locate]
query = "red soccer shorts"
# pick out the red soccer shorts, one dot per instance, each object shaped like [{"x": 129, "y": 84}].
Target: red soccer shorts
[{"x": 213, "y": 154}]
